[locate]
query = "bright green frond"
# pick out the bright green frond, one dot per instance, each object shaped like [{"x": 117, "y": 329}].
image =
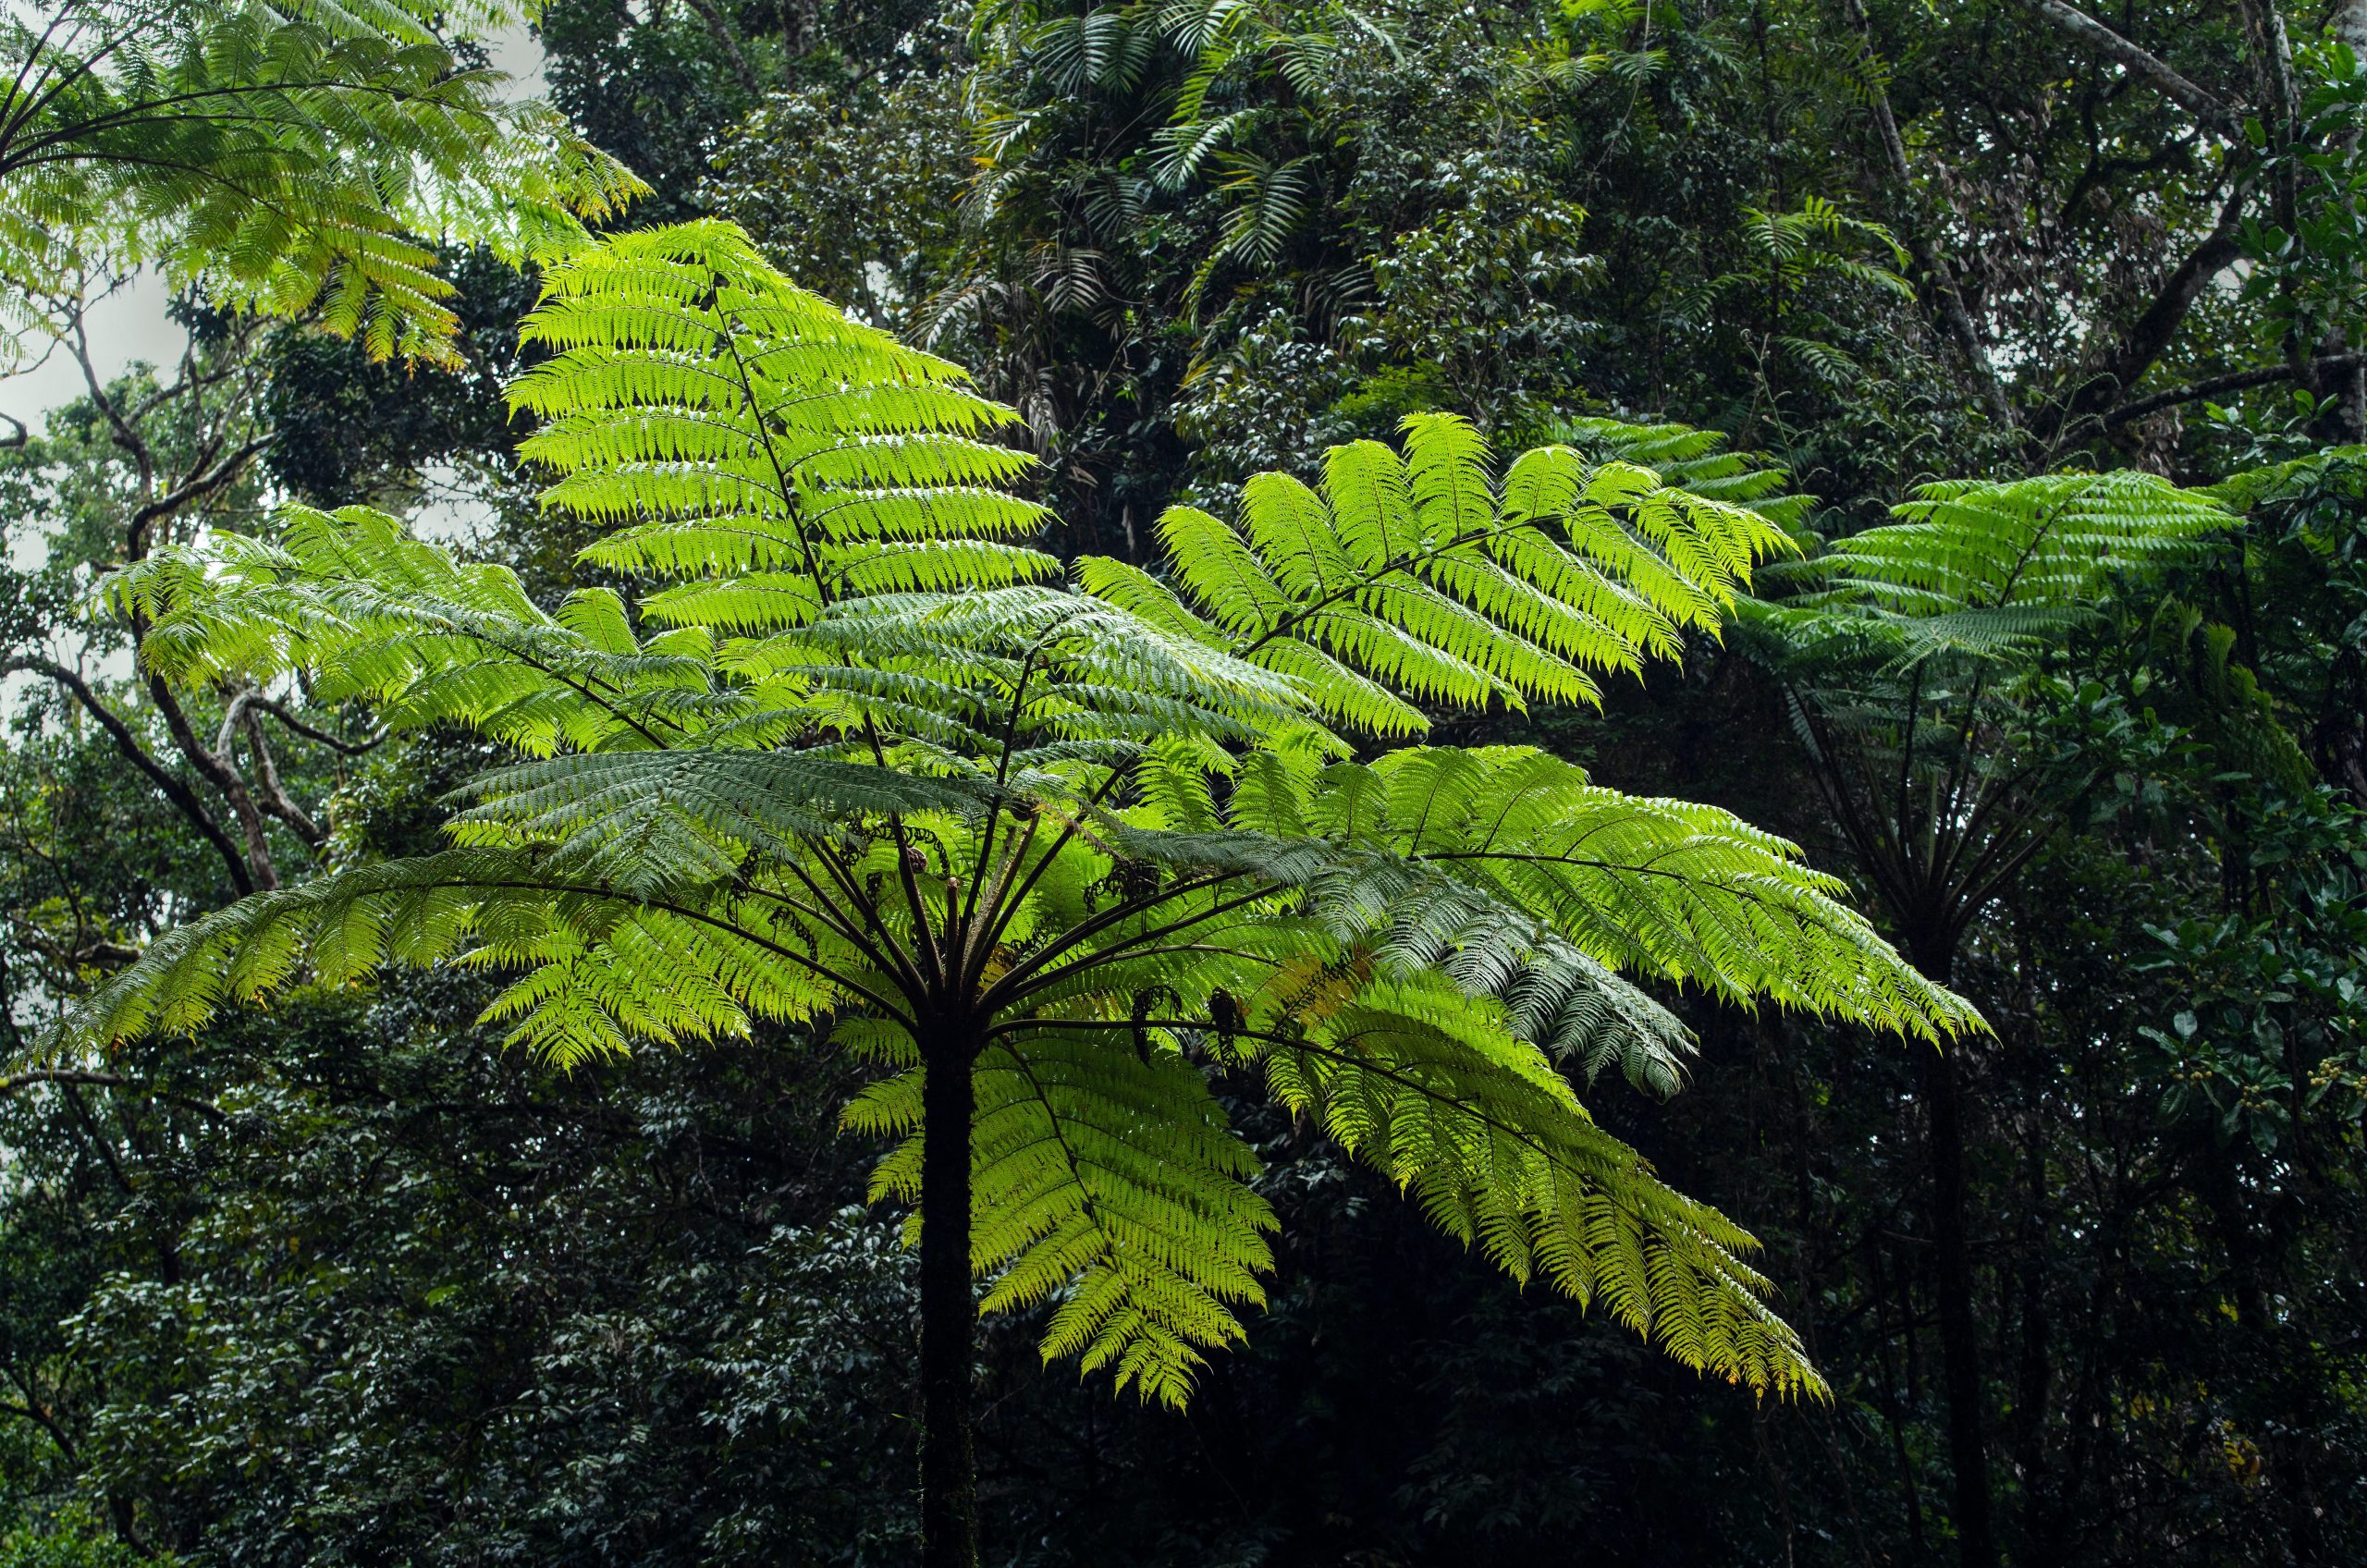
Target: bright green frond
[
  {"x": 1435, "y": 1091},
  {"x": 286, "y": 159},
  {"x": 720, "y": 422},
  {"x": 605, "y": 966},
  {"x": 369, "y": 613},
  {"x": 1415, "y": 580},
  {"x": 1107, "y": 1183},
  {"x": 1659, "y": 887}
]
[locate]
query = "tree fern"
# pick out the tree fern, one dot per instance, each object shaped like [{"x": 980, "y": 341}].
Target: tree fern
[
  {"x": 1912, "y": 654},
  {"x": 1915, "y": 660},
  {"x": 1052, "y": 852}
]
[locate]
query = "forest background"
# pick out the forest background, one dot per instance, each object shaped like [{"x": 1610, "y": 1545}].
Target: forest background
[{"x": 353, "y": 1284}]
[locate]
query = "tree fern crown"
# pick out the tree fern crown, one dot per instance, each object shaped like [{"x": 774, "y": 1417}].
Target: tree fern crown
[{"x": 857, "y": 756}]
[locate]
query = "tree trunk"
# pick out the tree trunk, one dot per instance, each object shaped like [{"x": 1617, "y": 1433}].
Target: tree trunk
[
  {"x": 949, "y": 1309},
  {"x": 1938, "y": 269},
  {"x": 1952, "y": 1261},
  {"x": 2347, "y": 385}
]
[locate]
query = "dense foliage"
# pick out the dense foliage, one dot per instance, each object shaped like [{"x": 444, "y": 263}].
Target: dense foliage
[{"x": 2022, "y": 341}]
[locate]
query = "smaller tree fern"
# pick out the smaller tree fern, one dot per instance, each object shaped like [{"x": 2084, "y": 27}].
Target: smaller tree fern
[
  {"x": 1916, "y": 657},
  {"x": 1910, "y": 651},
  {"x": 1055, "y": 850}
]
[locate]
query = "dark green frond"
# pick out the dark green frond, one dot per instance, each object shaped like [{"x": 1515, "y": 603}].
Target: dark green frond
[{"x": 1985, "y": 570}]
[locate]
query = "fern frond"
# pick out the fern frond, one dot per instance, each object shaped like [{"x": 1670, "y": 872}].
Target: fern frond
[
  {"x": 289, "y": 159},
  {"x": 1416, "y": 580},
  {"x": 722, "y": 421},
  {"x": 2043, "y": 546},
  {"x": 1107, "y": 1182},
  {"x": 1669, "y": 889},
  {"x": 372, "y": 614},
  {"x": 1427, "y": 850},
  {"x": 665, "y": 959},
  {"x": 1472, "y": 1122}
]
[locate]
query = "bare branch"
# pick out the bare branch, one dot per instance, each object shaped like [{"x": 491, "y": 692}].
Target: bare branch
[
  {"x": 215, "y": 769},
  {"x": 2236, "y": 381},
  {"x": 170, "y": 786},
  {"x": 77, "y": 341},
  {"x": 731, "y": 42},
  {"x": 187, "y": 493},
  {"x": 2150, "y": 336},
  {"x": 12, "y": 1082},
  {"x": 275, "y": 798},
  {"x": 261, "y": 704},
  {"x": 30, "y": 1076},
  {"x": 45, "y": 1421}
]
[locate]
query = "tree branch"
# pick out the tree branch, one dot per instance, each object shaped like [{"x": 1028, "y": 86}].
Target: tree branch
[
  {"x": 2139, "y": 62},
  {"x": 173, "y": 789},
  {"x": 46, "y": 1422},
  {"x": 195, "y": 488},
  {"x": 1939, "y": 273},
  {"x": 731, "y": 42},
  {"x": 216, "y": 770},
  {"x": 275, "y": 798},
  {"x": 2236, "y": 381},
  {"x": 261, "y": 704},
  {"x": 2150, "y": 336}
]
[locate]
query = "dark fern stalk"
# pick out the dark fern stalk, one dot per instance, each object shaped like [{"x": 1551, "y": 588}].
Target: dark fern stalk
[{"x": 948, "y": 1308}]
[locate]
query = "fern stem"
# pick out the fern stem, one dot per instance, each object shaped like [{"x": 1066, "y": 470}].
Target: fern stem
[
  {"x": 985, "y": 922},
  {"x": 892, "y": 958},
  {"x": 1008, "y": 903},
  {"x": 729, "y": 336},
  {"x": 1017, "y": 986}
]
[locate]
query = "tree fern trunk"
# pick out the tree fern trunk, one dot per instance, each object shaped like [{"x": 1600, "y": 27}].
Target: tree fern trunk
[
  {"x": 1951, "y": 1258},
  {"x": 948, "y": 1311},
  {"x": 1959, "y": 1332}
]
